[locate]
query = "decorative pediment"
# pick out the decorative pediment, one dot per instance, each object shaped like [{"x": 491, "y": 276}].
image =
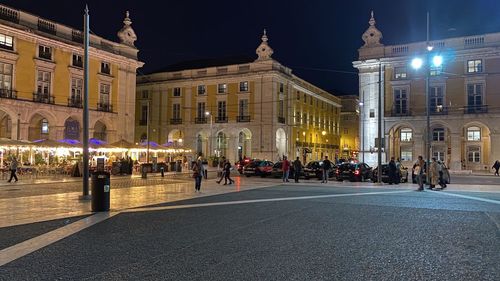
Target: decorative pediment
[
  {"x": 127, "y": 34},
  {"x": 372, "y": 35}
]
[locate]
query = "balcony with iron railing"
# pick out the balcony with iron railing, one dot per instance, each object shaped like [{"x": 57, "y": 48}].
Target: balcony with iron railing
[
  {"x": 43, "y": 98},
  {"x": 75, "y": 102},
  {"x": 9, "y": 14},
  {"x": 243, "y": 118},
  {"x": 221, "y": 119},
  {"x": 200, "y": 120},
  {"x": 175, "y": 121},
  {"x": 475, "y": 109},
  {"x": 8, "y": 94},
  {"x": 106, "y": 107}
]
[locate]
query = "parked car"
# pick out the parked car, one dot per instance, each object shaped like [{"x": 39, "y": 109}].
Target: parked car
[
  {"x": 314, "y": 169},
  {"x": 277, "y": 171},
  {"x": 265, "y": 168},
  {"x": 353, "y": 172},
  {"x": 250, "y": 169},
  {"x": 403, "y": 173}
]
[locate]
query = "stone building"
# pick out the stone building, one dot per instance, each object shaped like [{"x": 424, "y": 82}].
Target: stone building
[
  {"x": 349, "y": 127},
  {"x": 41, "y": 80},
  {"x": 237, "y": 107},
  {"x": 463, "y": 99}
]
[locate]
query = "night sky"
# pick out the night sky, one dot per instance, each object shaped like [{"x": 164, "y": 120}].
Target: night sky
[{"x": 317, "y": 39}]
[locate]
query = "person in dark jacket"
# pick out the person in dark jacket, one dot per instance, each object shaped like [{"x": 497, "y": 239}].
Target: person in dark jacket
[
  {"x": 392, "y": 172},
  {"x": 13, "y": 169},
  {"x": 496, "y": 166},
  {"x": 297, "y": 168},
  {"x": 327, "y": 166},
  {"x": 227, "y": 173}
]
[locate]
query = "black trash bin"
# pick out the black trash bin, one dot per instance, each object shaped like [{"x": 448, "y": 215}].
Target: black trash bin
[{"x": 100, "y": 191}]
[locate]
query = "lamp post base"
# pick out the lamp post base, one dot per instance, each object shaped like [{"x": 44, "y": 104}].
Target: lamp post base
[{"x": 85, "y": 197}]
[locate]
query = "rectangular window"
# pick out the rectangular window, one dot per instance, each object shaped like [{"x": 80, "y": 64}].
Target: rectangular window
[
  {"x": 105, "y": 68},
  {"x": 77, "y": 60},
  {"x": 473, "y": 134},
  {"x": 221, "y": 109},
  {"x": 439, "y": 155},
  {"x": 145, "y": 94},
  {"x": 436, "y": 98},
  {"x": 298, "y": 95},
  {"x": 435, "y": 70},
  {"x": 297, "y": 117},
  {"x": 144, "y": 115},
  {"x": 406, "y": 135},
  {"x": 176, "y": 111},
  {"x": 406, "y": 155},
  {"x": 43, "y": 83},
  {"x": 200, "y": 110},
  {"x": 475, "y": 94},
  {"x": 281, "y": 87},
  {"x": 372, "y": 113},
  {"x": 474, "y": 66},
  {"x": 177, "y": 92},
  {"x": 400, "y": 73},
  {"x": 400, "y": 102},
  {"x": 6, "y": 42},
  {"x": 222, "y": 88},
  {"x": 76, "y": 89},
  {"x": 438, "y": 134},
  {"x": 104, "y": 92},
  {"x": 244, "y": 86},
  {"x": 281, "y": 107},
  {"x": 44, "y": 52},
  {"x": 311, "y": 100},
  {"x": 5, "y": 76},
  {"x": 202, "y": 90},
  {"x": 305, "y": 98},
  {"x": 243, "y": 107},
  {"x": 474, "y": 154}
]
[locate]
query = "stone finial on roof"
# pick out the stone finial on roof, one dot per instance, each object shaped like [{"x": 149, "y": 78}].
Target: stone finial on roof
[
  {"x": 127, "y": 34},
  {"x": 264, "y": 51},
  {"x": 372, "y": 35}
]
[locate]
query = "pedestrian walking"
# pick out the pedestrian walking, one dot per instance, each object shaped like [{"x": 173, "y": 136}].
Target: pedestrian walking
[
  {"x": 13, "y": 169},
  {"x": 441, "y": 170},
  {"x": 392, "y": 171},
  {"x": 227, "y": 173},
  {"x": 433, "y": 173},
  {"x": 418, "y": 170},
  {"x": 203, "y": 170},
  {"x": 197, "y": 175},
  {"x": 297, "y": 168},
  {"x": 327, "y": 166},
  {"x": 285, "y": 166},
  {"x": 221, "y": 169},
  {"x": 496, "y": 166},
  {"x": 398, "y": 171}
]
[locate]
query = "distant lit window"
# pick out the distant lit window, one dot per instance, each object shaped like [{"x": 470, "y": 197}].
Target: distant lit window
[
  {"x": 474, "y": 66},
  {"x": 473, "y": 134},
  {"x": 244, "y": 86},
  {"x": 45, "y": 126},
  {"x": 222, "y": 88},
  {"x": 6, "y": 42},
  {"x": 201, "y": 90},
  {"x": 474, "y": 154},
  {"x": 400, "y": 73},
  {"x": 406, "y": 134},
  {"x": 406, "y": 155}
]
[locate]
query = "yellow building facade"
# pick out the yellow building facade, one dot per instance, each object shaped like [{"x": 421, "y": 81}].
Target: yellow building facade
[
  {"x": 349, "y": 128},
  {"x": 41, "y": 80},
  {"x": 238, "y": 107}
]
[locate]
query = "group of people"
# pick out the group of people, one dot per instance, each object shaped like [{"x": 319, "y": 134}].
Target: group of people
[
  {"x": 200, "y": 171},
  {"x": 297, "y": 168},
  {"x": 437, "y": 175},
  {"x": 394, "y": 171}
]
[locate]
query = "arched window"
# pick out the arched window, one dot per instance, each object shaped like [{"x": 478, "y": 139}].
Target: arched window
[
  {"x": 406, "y": 134},
  {"x": 473, "y": 134},
  {"x": 44, "y": 127}
]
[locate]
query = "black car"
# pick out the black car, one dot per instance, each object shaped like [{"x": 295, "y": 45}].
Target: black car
[
  {"x": 403, "y": 174},
  {"x": 250, "y": 169},
  {"x": 353, "y": 172},
  {"x": 314, "y": 169}
]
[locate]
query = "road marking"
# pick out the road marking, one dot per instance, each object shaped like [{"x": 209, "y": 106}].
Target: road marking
[
  {"x": 146, "y": 209},
  {"x": 29, "y": 246},
  {"x": 472, "y": 197}
]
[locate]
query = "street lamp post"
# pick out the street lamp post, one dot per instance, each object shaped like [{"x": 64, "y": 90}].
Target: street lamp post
[
  {"x": 210, "y": 137},
  {"x": 417, "y": 63}
]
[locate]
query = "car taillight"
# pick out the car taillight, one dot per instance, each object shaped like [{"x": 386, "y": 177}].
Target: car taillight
[
  {"x": 356, "y": 172},
  {"x": 337, "y": 172}
]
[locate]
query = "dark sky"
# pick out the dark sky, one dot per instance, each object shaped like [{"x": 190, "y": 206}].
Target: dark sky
[{"x": 317, "y": 39}]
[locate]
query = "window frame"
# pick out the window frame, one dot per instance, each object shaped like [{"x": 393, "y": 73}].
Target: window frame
[
  {"x": 475, "y": 67},
  {"x": 406, "y": 135},
  {"x": 176, "y": 92},
  {"x": 244, "y": 86},
  {"x": 105, "y": 68},
  {"x": 42, "y": 51},
  {"x": 400, "y": 75},
  {"x": 222, "y": 88},
  {"x": 473, "y": 133},
  {"x": 201, "y": 90},
  {"x": 4, "y": 44},
  {"x": 438, "y": 134}
]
